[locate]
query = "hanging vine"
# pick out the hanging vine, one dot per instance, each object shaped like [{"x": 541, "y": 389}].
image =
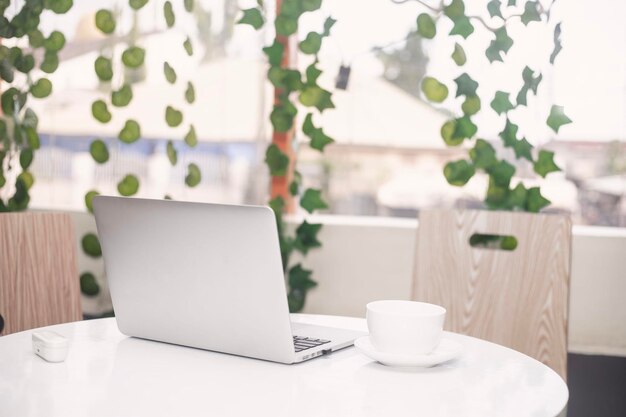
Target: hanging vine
[
  {"x": 292, "y": 84},
  {"x": 119, "y": 94},
  {"x": 21, "y": 68},
  {"x": 483, "y": 156}
]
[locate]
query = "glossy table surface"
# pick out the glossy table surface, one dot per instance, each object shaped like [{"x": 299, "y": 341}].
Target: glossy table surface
[{"x": 109, "y": 374}]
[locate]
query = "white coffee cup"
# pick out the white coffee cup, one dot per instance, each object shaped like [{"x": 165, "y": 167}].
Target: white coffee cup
[{"x": 405, "y": 327}]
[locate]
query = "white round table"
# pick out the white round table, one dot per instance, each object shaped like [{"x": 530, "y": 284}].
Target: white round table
[{"x": 109, "y": 374}]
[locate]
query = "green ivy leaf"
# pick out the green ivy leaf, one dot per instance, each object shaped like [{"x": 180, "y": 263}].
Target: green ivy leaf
[
  {"x": 311, "y": 44},
  {"x": 458, "y": 56},
  {"x": 35, "y": 38},
  {"x": 300, "y": 278},
  {"x": 557, "y": 43},
  {"x": 328, "y": 24},
  {"x": 458, "y": 172},
  {"x": 483, "y": 155},
  {"x": 104, "y": 68},
  {"x": 137, "y": 4},
  {"x": 252, "y": 17},
  {"x": 523, "y": 149},
  {"x": 58, "y": 6},
  {"x": 503, "y": 40},
  {"x": 493, "y": 53},
  {"x": 55, "y": 42},
  {"x": 493, "y": 7},
  {"x": 545, "y": 163},
  {"x": 281, "y": 119},
  {"x": 194, "y": 176},
  {"x": 91, "y": 245},
  {"x": 501, "y": 103},
  {"x": 128, "y": 186},
  {"x": 509, "y": 134},
  {"x": 463, "y": 27},
  {"x": 88, "y": 284},
  {"x": 315, "y": 96},
  {"x": 471, "y": 105},
  {"x": 122, "y": 97},
  {"x": 168, "y": 13},
  {"x": 312, "y": 200},
  {"x": 12, "y": 100},
  {"x": 531, "y": 83},
  {"x": 276, "y": 160},
  {"x": 172, "y": 155},
  {"x": 26, "y": 178},
  {"x": 500, "y": 45},
  {"x": 434, "y": 90},
  {"x": 50, "y": 62},
  {"x": 311, "y": 5},
  {"x": 189, "y": 5},
  {"x": 312, "y": 74},
  {"x": 26, "y": 158},
  {"x": 306, "y": 237},
  {"x": 105, "y": 21},
  {"x": 286, "y": 25},
  {"x": 274, "y": 53},
  {"x": 25, "y": 63},
  {"x": 501, "y": 173},
  {"x": 89, "y": 200},
  {"x": 465, "y": 85},
  {"x": 447, "y": 133},
  {"x": 531, "y": 13},
  {"x": 307, "y": 126},
  {"x": 130, "y": 132},
  {"x": 464, "y": 128},
  {"x": 455, "y": 9},
  {"x": 319, "y": 140},
  {"x": 191, "y": 138},
  {"x": 133, "y": 57},
  {"x": 497, "y": 195},
  {"x": 557, "y": 118},
  {"x": 426, "y": 26},
  {"x": 6, "y": 71},
  {"x": 173, "y": 117},
  {"x": 32, "y": 137},
  {"x": 190, "y": 93},
  {"x": 517, "y": 197},
  {"x": 100, "y": 111},
  {"x": 535, "y": 201},
  {"x": 188, "y": 46},
  {"x": 99, "y": 151},
  {"x": 41, "y": 88},
  {"x": 277, "y": 204},
  {"x": 169, "y": 72}
]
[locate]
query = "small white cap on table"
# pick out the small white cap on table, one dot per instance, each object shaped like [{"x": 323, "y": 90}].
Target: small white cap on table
[{"x": 51, "y": 346}]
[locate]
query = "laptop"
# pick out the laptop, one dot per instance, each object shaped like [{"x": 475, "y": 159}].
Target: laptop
[{"x": 207, "y": 276}]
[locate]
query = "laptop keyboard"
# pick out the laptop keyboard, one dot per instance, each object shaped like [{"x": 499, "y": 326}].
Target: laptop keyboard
[{"x": 304, "y": 343}]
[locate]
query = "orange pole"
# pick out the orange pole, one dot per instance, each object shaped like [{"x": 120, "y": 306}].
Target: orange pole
[{"x": 284, "y": 140}]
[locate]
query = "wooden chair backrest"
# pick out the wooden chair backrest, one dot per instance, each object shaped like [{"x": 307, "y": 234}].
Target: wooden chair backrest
[
  {"x": 516, "y": 298},
  {"x": 39, "y": 283}
]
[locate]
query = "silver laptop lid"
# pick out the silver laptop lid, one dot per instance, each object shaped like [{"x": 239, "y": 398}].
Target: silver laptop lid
[{"x": 201, "y": 275}]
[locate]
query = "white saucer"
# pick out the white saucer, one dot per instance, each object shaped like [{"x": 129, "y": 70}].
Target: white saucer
[{"x": 448, "y": 349}]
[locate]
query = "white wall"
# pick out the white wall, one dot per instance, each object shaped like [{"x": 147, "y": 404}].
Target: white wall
[{"x": 364, "y": 259}]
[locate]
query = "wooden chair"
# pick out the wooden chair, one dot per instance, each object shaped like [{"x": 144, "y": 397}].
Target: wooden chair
[
  {"x": 516, "y": 298},
  {"x": 39, "y": 283}
]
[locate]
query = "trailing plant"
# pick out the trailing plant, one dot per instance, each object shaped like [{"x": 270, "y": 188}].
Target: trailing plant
[
  {"x": 118, "y": 89},
  {"x": 21, "y": 69},
  {"x": 290, "y": 84},
  {"x": 483, "y": 156}
]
